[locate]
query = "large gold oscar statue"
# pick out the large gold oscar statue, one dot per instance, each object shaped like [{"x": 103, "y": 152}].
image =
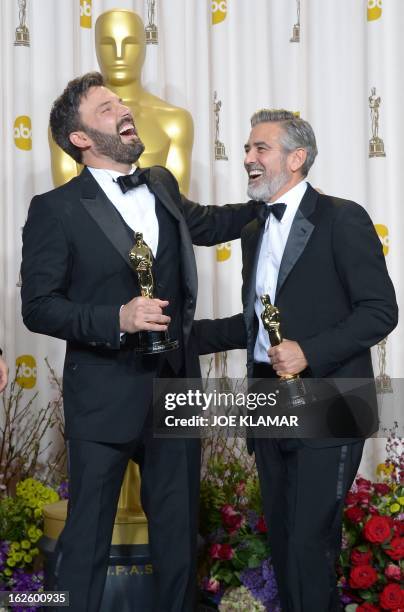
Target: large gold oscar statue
[{"x": 167, "y": 132}]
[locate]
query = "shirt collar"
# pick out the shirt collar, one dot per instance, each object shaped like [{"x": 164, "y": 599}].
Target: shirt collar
[{"x": 292, "y": 199}]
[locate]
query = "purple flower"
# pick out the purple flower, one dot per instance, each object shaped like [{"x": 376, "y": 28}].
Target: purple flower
[
  {"x": 63, "y": 489},
  {"x": 262, "y": 584},
  {"x": 4, "y": 548},
  {"x": 252, "y": 520}
]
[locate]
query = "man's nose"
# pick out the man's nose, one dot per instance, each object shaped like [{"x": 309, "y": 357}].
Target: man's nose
[{"x": 250, "y": 157}]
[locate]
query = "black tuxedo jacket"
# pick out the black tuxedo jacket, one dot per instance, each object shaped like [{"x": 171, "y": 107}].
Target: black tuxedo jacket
[
  {"x": 334, "y": 293},
  {"x": 75, "y": 277}
]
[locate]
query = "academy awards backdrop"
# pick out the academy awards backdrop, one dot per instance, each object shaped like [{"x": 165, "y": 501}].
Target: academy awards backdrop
[{"x": 336, "y": 62}]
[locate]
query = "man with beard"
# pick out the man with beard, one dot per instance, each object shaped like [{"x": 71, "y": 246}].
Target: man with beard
[
  {"x": 78, "y": 285},
  {"x": 321, "y": 262}
]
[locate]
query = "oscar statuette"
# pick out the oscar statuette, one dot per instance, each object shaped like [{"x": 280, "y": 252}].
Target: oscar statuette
[
  {"x": 141, "y": 259},
  {"x": 292, "y": 383}
]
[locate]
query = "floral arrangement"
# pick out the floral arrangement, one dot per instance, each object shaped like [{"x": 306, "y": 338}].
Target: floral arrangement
[
  {"x": 372, "y": 560},
  {"x": 20, "y": 530},
  {"x": 236, "y": 571}
]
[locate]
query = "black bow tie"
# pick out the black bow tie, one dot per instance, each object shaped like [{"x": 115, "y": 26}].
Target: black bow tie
[
  {"x": 278, "y": 210},
  {"x": 130, "y": 181}
]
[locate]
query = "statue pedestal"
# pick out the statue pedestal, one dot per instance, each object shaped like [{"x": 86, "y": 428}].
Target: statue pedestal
[{"x": 129, "y": 577}]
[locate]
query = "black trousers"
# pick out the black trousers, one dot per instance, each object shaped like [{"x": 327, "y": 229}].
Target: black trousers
[
  {"x": 303, "y": 491},
  {"x": 170, "y": 471}
]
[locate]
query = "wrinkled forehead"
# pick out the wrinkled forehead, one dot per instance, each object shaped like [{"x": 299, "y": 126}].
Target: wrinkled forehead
[{"x": 119, "y": 25}]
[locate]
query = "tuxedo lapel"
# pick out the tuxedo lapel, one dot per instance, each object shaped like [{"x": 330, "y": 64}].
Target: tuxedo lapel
[
  {"x": 251, "y": 250},
  {"x": 105, "y": 215},
  {"x": 162, "y": 194},
  {"x": 299, "y": 235}
]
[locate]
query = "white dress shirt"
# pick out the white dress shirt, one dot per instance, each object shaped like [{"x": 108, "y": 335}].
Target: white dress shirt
[
  {"x": 137, "y": 206},
  {"x": 272, "y": 247}
]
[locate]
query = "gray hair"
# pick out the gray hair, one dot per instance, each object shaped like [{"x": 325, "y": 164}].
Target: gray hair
[{"x": 296, "y": 134}]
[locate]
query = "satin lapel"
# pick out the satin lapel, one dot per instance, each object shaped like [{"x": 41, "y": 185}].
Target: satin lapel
[
  {"x": 299, "y": 235},
  {"x": 161, "y": 192},
  {"x": 105, "y": 215},
  {"x": 251, "y": 250}
]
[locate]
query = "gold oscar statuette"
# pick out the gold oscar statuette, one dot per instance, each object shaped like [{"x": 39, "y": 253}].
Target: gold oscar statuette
[
  {"x": 291, "y": 382},
  {"x": 141, "y": 259},
  {"x": 220, "y": 150}
]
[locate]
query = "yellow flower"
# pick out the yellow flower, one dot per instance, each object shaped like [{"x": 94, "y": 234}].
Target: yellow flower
[
  {"x": 15, "y": 546},
  {"x": 401, "y": 500},
  {"x": 25, "y": 544},
  {"x": 27, "y": 558},
  {"x": 11, "y": 562},
  {"x": 382, "y": 468},
  {"x": 395, "y": 507},
  {"x": 8, "y": 572}
]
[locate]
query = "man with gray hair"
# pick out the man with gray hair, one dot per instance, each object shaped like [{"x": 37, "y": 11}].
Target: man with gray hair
[{"x": 321, "y": 262}]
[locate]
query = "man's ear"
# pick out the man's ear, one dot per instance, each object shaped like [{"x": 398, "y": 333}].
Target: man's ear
[
  {"x": 80, "y": 139},
  {"x": 297, "y": 159}
]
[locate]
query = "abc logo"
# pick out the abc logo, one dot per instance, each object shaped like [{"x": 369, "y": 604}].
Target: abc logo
[
  {"x": 223, "y": 251},
  {"x": 383, "y": 234},
  {"x": 374, "y": 9},
  {"x": 23, "y": 133},
  {"x": 26, "y": 371},
  {"x": 219, "y": 11},
  {"x": 85, "y": 13}
]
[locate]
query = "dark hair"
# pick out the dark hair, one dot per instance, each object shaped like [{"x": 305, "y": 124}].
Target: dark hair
[
  {"x": 65, "y": 117},
  {"x": 297, "y": 133}
]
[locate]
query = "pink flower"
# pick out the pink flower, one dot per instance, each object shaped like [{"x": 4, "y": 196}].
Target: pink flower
[
  {"x": 382, "y": 488},
  {"x": 362, "y": 484},
  {"x": 232, "y": 519},
  {"x": 393, "y": 572},
  {"x": 212, "y": 585}
]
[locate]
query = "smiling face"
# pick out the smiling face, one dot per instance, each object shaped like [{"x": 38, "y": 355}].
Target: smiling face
[
  {"x": 108, "y": 137},
  {"x": 271, "y": 170}
]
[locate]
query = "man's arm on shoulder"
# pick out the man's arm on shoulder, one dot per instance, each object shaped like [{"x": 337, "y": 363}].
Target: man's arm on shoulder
[
  {"x": 216, "y": 335},
  {"x": 362, "y": 270},
  {"x": 209, "y": 225}
]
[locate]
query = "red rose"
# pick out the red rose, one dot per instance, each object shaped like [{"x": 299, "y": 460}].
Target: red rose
[
  {"x": 398, "y": 528},
  {"x": 214, "y": 551},
  {"x": 361, "y": 558},
  {"x": 382, "y": 488},
  {"x": 261, "y": 525},
  {"x": 364, "y": 497},
  {"x": 362, "y": 484},
  {"x": 377, "y": 529},
  {"x": 393, "y": 572},
  {"x": 396, "y": 549},
  {"x": 367, "y": 607},
  {"x": 351, "y": 499},
  {"x": 226, "y": 552},
  {"x": 231, "y": 519},
  {"x": 362, "y": 577},
  {"x": 354, "y": 514},
  {"x": 392, "y": 597}
]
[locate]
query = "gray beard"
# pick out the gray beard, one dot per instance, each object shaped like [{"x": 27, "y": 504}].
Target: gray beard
[
  {"x": 111, "y": 146},
  {"x": 267, "y": 188}
]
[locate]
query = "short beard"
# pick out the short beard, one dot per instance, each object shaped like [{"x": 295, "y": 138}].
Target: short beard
[
  {"x": 112, "y": 146},
  {"x": 268, "y": 187}
]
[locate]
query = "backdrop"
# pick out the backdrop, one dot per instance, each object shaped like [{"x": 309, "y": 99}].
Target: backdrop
[{"x": 336, "y": 62}]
